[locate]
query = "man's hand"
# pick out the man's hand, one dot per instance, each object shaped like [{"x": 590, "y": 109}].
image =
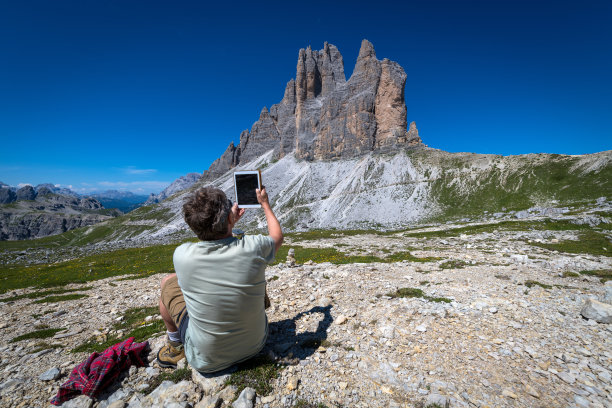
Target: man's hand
[
  {"x": 262, "y": 196},
  {"x": 237, "y": 212}
]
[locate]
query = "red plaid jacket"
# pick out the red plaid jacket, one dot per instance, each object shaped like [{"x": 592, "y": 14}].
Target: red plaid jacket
[{"x": 100, "y": 370}]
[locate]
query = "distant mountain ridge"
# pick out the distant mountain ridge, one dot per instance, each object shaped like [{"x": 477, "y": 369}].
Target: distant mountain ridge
[
  {"x": 38, "y": 212},
  {"x": 125, "y": 201},
  {"x": 177, "y": 185}
]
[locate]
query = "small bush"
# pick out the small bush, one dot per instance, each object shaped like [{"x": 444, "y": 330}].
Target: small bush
[
  {"x": 302, "y": 403},
  {"x": 453, "y": 264},
  {"x": 531, "y": 283},
  {"x": 570, "y": 274},
  {"x": 256, "y": 373},
  {"x": 416, "y": 293}
]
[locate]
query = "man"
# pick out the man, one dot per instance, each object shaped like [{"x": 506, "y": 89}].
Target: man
[{"x": 213, "y": 306}]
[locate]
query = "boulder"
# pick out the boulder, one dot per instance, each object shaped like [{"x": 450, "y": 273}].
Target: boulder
[
  {"x": 598, "y": 311},
  {"x": 246, "y": 399}
]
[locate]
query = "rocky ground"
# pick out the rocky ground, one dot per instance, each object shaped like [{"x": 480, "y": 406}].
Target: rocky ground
[{"x": 342, "y": 338}]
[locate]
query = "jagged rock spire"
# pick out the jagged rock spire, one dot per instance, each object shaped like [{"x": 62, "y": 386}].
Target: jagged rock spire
[{"x": 324, "y": 116}]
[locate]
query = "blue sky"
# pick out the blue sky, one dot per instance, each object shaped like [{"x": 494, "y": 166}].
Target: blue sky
[{"x": 133, "y": 94}]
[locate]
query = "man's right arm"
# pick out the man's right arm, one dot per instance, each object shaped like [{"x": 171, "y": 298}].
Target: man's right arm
[{"x": 274, "y": 228}]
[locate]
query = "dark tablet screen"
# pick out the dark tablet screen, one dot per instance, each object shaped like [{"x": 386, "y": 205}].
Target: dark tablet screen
[{"x": 245, "y": 189}]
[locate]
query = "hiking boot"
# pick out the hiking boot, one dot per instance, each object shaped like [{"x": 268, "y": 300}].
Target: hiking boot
[{"x": 170, "y": 354}]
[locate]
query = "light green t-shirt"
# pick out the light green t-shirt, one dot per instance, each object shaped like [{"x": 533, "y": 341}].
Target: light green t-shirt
[{"x": 224, "y": 285}]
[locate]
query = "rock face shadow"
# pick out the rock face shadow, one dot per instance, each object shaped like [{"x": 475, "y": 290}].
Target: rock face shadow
[{"x": 287, "y": 344}]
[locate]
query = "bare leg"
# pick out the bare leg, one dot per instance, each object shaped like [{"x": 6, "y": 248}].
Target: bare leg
[{"x": 170, "y": 326}]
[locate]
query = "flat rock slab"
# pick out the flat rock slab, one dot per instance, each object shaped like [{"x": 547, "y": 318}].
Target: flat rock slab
[{"x": 598, "y": 311}]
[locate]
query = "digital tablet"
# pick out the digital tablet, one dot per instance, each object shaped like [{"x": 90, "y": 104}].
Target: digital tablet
[{"x": 245, "y": 183}]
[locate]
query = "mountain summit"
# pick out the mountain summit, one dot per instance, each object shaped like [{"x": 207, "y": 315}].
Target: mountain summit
[{"x": 324, "y": 116}]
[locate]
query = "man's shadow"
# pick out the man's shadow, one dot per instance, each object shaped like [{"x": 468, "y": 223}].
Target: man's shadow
[{"x": 287, "y": 345}]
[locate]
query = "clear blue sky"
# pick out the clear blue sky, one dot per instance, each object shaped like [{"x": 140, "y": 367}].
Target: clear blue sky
[{"x": 133, "y": 94}]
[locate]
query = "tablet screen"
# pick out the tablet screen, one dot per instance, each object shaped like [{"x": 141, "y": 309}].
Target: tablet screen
[{"x": 245, "y": 189}]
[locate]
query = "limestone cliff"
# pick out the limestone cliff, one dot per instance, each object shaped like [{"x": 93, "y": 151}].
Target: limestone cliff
[{"x": 323, "y": 116}]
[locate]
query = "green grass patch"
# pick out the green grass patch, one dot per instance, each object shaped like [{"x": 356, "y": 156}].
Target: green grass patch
[
  {"x": 60, "y": 298},
  {"x": 256, "y": 373},
  {"x": 570, "y": 274},
  {"x": 532, "y": 283},
  {"x": 175, "y": 376},
  {"x": 454, "y": 264},
  {"x": 302, "y": 403},
  {"x": 39, "y": 294},
  {"x": 140, "y": 262},
  {"x": 588, "y": 242},
  {"x": 132, "y": 324},
  {"x": 416, "y": 293},
  {"x": 603, "y": 274},
  {"x": 38, "y": 334},
  {"x": 320, "y": 255}
]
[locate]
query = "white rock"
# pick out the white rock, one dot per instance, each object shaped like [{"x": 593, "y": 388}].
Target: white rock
[
  {"x": 82, "y": 401},
  {"x": 209, "y": 384},
  {"x": 433, "y": 399},
  {"x": 608, "y": 294},
  {"x": 387, "y": 332},
  {"x": 567, "y": 377},
  {"x": 598, "y": 311},
  {"x": 182, "y": 363},
  {"x": 246, "y": 399},
  {"x": 421, "y": 328},
  {"x": 51, "y": 374},
  {"x": 340, "y": 319}
]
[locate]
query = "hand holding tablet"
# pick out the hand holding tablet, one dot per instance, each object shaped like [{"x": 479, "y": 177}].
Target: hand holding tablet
[{"x": 245, "y": 184}]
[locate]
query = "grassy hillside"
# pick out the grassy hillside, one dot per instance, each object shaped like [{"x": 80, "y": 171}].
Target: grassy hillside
[{"x": 468, "y": 186}]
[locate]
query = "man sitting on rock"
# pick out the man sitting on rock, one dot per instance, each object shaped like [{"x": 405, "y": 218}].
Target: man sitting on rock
[{"x": 213, "y": 306}]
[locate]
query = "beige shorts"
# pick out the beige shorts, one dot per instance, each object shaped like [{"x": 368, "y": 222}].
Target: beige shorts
[{"x": 173, "y": 300}]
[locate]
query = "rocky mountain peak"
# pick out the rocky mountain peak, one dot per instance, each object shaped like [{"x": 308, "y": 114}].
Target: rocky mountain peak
[
  {"x": 264, "y": 114},
  {"x": 179, "y": 184},
  {"x": 367, "y": 56},
  {"x": 323, "y": 116},
  {"x": 26, "y": 193}
]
